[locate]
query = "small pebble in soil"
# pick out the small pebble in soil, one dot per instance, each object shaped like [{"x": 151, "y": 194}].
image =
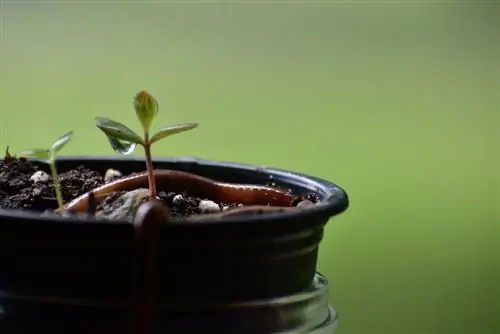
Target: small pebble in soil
[
  {"x": 178, "y": 199},
  {"x": 207, "y": 206},
  {"x": 122, "y": 205},
  {"x": 112, "y": 175},
  {"x": 39, "y": 176},
  {"x": 305, "y": 203}
]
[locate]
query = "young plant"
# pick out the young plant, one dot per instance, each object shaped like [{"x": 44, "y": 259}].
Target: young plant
[
  {"x": 124, "y": 140},
  {"x": 49, "y": 156}
]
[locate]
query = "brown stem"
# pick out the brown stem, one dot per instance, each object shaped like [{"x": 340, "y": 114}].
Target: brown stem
[
  {"x": 149, "y": 165},
  {"x": 91, "y": 203},
  {"x": 150, "y": 216}
]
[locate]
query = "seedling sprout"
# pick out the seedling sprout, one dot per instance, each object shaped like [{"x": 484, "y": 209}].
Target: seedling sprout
[
  {"x": 123, "y": 140},
  {"x": 49, "y": 156}
]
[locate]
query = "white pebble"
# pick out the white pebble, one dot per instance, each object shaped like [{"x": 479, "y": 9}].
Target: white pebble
[
  {"x": 208, "y": 206},
  {"x": 111, "y": 175},
  {"x": 304, "y": 204},
  {"x": 177, "y": 199},
  {"x": 39, "y": 176}
]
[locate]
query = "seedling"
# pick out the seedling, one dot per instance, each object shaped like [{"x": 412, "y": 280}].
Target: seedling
[
  {"x": 123, "y": 140},
  {"x": 49, "y": 156}
]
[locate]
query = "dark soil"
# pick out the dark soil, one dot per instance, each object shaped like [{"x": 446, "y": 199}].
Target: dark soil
[
  {"x": 180, "y": 205},
  {"x": 19, "y": 190}
]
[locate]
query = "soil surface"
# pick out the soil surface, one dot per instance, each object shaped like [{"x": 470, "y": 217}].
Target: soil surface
[{"x": 26, "y": 186}]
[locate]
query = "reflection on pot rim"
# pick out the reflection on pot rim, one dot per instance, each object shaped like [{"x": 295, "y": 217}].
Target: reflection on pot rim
[
  {"x": 318, "y": 290},
  {"x": 304, "y": 312},
  {"x": 327, "y": 327}
]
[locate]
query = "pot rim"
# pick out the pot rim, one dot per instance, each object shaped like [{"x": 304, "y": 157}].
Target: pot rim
[{"x": 335, "y": 203}]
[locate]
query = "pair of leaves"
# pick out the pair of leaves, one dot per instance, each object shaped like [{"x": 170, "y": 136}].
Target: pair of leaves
[
  {"x": 124, "y": 140},
  {"x": 48, "y": 154}
]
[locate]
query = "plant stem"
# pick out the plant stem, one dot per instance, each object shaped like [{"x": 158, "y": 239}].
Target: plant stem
[
  {"x": 149, "y": 165},
  {"x": 148, "y": 220},
  {"x": 55, "y": 180}
]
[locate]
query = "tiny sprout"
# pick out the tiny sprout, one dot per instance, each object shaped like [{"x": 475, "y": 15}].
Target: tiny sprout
[
  {"x": 49, "y": 156},
  {"x": 123, "y": 140}
]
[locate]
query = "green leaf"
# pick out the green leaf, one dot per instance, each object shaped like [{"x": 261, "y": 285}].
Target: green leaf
[
  {"x": 58, "y": 144},
  {"x": 37, "y": 153},
  {"x": 118, "y": 131},
  {"x": 121, "y": 147},
  {"x": 172, "y": 130},
  {"x": 146, "y": 108}
]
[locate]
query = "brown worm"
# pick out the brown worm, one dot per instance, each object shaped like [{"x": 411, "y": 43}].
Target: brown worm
[{"x": 194, "y": 185}]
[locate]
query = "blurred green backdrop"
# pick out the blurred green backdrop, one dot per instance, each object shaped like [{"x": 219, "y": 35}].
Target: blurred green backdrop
[{"x": 398, "y": 102}]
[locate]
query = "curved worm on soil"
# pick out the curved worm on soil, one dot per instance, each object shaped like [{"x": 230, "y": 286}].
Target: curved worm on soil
[{"x": 194, "y": 185}]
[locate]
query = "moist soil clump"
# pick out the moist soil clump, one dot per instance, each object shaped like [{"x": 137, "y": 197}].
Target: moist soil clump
[{"x": 26, "y": 186}]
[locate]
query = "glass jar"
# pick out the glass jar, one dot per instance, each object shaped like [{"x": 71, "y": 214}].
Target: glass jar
[{"x": 305, "y": 312}]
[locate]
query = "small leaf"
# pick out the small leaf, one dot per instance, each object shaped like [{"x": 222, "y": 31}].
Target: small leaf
[
  {"x": 58, "y": 144},
  {"x": 172, "y": 130},
  {"x": 121, "y": 147},
  {"x": 118, "y": 131},
  {"x": 146, "y": 108},
  {"x": 37, "y": 153}
]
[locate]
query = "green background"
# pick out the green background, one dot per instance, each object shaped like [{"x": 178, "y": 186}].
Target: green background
[{"x": 398, "y": 102}]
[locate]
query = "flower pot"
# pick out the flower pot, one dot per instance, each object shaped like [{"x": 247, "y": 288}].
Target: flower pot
[{"x": 87, "y": 262}]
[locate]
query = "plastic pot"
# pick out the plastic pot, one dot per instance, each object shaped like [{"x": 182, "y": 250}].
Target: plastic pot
[{"x": 87, "y": 262}]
